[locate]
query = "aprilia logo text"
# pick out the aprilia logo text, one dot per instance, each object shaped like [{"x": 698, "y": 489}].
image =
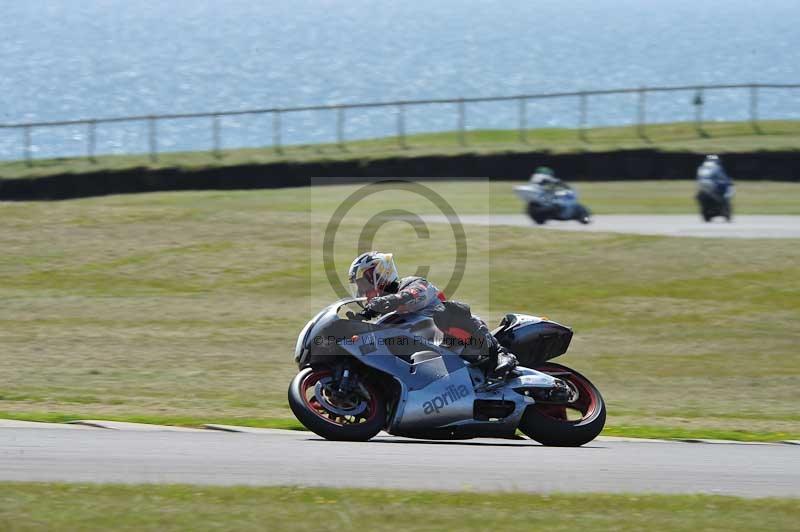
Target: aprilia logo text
[{"x": 451, "y": 395}]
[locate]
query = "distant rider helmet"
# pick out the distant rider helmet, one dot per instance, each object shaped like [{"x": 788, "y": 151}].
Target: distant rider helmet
[
  {"x": 713, "y": 159},
  {"x": 372, "y": 273},
  {"x": 543, "y": 175}
]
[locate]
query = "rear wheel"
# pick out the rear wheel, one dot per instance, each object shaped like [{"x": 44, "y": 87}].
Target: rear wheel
[
  {"x": 575, "y": 423},
  {"x": 356, "y": 415},
  {"x": 584, "y": 216}
]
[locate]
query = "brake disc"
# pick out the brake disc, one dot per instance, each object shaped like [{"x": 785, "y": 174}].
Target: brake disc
[{"x": 341, "y": 407}]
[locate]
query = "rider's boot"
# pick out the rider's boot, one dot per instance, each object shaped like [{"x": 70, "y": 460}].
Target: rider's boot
[{"x": 505, "y": 363}]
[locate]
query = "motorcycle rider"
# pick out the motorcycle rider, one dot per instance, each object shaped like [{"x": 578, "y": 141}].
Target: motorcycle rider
[
  {"x": 374, "y": 275},
  {"x": 544, "y": 181},
  {"x": 711, "y": 174}
]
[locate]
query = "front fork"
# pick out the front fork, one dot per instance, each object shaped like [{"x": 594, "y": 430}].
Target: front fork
[
  {"x": 344, "y": 382},
  {"x": 348, "y": 381}
]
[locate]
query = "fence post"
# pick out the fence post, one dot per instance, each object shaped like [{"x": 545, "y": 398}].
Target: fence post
[
  {"x": 340, "y": 128},
  {"x": 754, "y": 105},
  {"x": 91, "y": 140},
  {"x": 462, "y": 138},
  {"x": 153, "y": 136},
  {"x": 26, "y": 136},
  {"x": 401, "y": 126},
  {"x": 582, "y": 115},
  {"x": 216, "y": 134},
  {"x": 276, "y": 131},
  {"x": 698, "y": 102},
  {"x": 641, "y": 114},
  {"x": 523, "y": 120}
]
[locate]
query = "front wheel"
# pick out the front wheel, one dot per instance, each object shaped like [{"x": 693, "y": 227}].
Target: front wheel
[
  {"x": 536, "y": 214},
  {"x": 355, "y": 415},
  {"x": 575, "y": 423},
  {"x": 727, "y": 211}
]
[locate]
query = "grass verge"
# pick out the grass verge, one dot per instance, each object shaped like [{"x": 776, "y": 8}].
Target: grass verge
[
  {"x": 169, "y": 307},
  {"x": 718, "y": 137},
  {"x": 28, "y": 506}
]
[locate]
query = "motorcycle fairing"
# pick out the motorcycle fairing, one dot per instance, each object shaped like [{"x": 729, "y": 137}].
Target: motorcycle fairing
[{"x": 440, "y": 392}]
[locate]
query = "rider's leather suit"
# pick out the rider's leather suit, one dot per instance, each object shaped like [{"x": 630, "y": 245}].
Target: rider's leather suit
[{"x": 472, "y": 337}]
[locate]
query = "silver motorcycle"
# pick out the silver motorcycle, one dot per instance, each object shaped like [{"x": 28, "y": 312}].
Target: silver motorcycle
[{"x": 358, "y": 377}]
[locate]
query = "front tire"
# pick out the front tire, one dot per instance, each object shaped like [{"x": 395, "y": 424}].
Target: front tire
[
  {"x": 550, "y": 424},
  {"x": 706, "y": 206},
  {"x": 727, "y": 211},
  {"x": 358, "y": 418},
  {"x": 536, "y": 214}
]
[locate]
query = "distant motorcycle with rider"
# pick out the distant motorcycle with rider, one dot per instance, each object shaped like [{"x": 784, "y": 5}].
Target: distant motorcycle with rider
[
  {"x": 715, "y": 190},
  {"x": 547, "y": 197}
]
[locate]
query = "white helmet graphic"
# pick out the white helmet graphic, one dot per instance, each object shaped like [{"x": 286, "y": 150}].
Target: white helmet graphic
[{"x": 371, "y": 272}]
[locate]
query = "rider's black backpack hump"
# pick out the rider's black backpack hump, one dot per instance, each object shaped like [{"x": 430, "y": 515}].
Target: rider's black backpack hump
[{"x": 533, "y": 341}]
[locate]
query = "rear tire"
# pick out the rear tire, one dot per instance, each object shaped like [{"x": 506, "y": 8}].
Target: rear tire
[
  {"x": 548, "y": 424},
  {"x": 323, "y": 422},
  {"x": 584, "y": 216}
]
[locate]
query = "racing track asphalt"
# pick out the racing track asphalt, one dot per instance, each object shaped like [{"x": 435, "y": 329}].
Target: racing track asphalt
[
  {"x": 744, "y": 226},
  {"x": 301, "y": 458}
]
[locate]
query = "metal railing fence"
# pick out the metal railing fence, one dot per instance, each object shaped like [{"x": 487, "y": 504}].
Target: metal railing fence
[{"x": 582, "y": 99}]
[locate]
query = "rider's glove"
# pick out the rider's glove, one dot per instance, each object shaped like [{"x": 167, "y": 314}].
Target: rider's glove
[
  {"x": 361, "y": 316},
  {"x": 382, "y": 305},
  {"x": 367, "y": 314}
]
